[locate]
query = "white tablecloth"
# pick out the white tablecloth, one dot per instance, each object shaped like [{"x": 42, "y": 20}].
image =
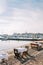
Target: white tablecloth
[{"x": 21, "y": 49}]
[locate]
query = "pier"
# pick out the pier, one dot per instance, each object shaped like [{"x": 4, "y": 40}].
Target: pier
[{"x": 21, "y": 39}]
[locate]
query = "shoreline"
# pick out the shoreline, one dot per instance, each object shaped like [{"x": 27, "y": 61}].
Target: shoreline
[{"x": 26, "y": 44}]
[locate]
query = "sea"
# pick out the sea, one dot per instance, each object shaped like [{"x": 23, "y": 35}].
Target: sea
[{"x": 11, "y": 44}]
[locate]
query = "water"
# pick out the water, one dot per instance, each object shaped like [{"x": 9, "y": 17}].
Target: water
[{"x": 6, "y": 45}]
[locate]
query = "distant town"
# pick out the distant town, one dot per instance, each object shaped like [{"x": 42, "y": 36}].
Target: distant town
[{"x": 22, "y": 36}]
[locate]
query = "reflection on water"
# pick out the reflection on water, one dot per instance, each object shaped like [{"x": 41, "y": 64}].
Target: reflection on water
[{"x": 5, "y": 45}]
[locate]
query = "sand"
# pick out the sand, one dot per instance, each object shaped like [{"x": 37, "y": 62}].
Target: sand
[{"x": 36, "y": 57}]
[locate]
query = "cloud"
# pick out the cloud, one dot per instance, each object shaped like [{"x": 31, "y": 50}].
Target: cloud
[
  {"x": 23, "y": 20},
  {"x": 3, "y": 6},
  {"x": 27, "y": 20}
]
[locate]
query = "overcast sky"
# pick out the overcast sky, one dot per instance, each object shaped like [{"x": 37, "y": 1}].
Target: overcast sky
[{"x": 21, "y": 16}]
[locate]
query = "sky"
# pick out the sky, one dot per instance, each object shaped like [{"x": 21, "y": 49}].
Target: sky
[{"x": 20, "y": 16}]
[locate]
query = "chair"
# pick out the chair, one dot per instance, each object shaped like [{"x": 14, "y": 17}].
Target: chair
[{"x": 16, "y": 53}]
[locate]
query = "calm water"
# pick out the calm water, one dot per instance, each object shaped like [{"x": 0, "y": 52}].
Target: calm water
[{"x": 5, "y": 45}]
